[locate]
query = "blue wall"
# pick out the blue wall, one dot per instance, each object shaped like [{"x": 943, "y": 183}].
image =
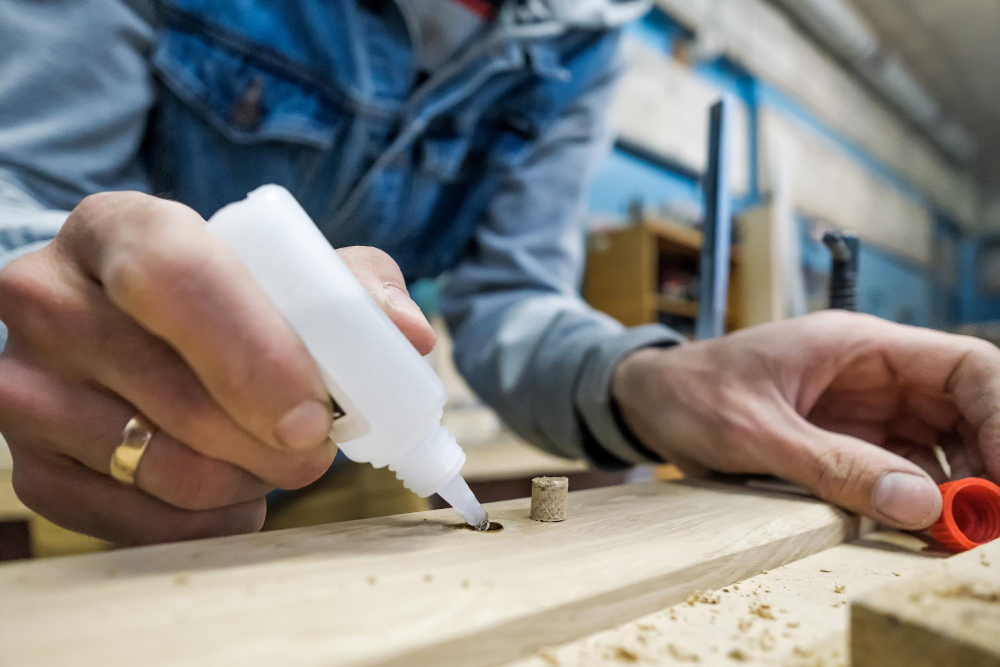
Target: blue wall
[
  {"x": 974, "y": 304},
  {"x": 890, "y": 286}
]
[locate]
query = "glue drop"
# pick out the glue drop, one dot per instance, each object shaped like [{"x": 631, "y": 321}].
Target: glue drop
[{"x": 387, "y": 400}]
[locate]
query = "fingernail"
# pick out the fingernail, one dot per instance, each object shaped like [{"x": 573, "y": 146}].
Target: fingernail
[
  {"x": 305, "y": 426},
  {"x": 399, "y": 300},
  {"x": 909, "y": 500}
]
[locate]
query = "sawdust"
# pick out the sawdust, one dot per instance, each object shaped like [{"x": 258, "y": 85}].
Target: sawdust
[
  {"x": 839, "y": 589},
  {"x": 703, "y": 597},
  {"x": 970, "y": 592},
  {"x": 428, "y": 577},
  {"x": 646, "y": 627},
  {"x": 767, "y": 641},
  {"x": 801, "y": 652},
  {"x": 793, "y": 624},
  {"x": 762, "y": 611},
  {"x": 680, "y": 655},
  {"x": 623, "y": 654},
  {"x": 736, "y": 587},
  {"x": 983, "y": 560},
  {"x": 466, "y": 583},
  {"x": 372, "y": 581},
  {"x": 549, "y": 658},
  {"x": 181, "y": 580},
  {"x": 738, "y": 655},
  {"x": 896, "y": 574}
]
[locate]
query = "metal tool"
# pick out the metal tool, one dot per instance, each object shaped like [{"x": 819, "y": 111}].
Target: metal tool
[
  {"x": 843, "y": 270},
  {"x": 713, "y": 288}
]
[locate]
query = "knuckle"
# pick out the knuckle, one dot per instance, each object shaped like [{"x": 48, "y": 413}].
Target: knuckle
[
  {"x": 21, "y": 283},
  {"x": 91, "y": 211},
  {"x": 834, "y": 472},
  {"x": 146, "y": 270},
  {"x": 34, "y": 301}
]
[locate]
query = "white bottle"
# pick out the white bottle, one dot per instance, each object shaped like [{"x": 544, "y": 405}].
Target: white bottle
[{"x": 387, "y": 399}]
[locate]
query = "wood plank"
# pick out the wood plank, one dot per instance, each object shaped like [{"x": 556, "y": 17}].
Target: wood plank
[
  {"x": 946, "y": 615},
  {"x": 410, "y": 589},
  {"x": 791, "y": 616}
]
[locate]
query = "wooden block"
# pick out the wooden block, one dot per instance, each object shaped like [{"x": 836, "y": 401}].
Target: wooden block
[
  {"x": 415, "y": 589},
  {"x": 791, "y": 616},
  {"x": 946, "y": 615}
]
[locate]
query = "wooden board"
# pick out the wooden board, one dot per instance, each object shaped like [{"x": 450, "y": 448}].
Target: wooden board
[
  {"x": 406, "y": 590},
  {"x": 947, "y": 615},
  {"x": 792, "y": 616}
]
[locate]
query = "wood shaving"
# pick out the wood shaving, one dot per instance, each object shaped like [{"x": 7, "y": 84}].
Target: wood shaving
[
  {"x": 839, "y": 588},
  {"x": 896, "y": 574},
  {"x": 826, "y": 571}
]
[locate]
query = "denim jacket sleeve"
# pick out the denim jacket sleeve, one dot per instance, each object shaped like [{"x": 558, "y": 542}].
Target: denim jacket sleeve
[{"x": 524, "y": 339}]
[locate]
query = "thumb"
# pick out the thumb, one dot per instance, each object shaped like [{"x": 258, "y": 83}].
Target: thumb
[
  {"x": 382, "y": 279},
  {"x": 864, "y": 478}
]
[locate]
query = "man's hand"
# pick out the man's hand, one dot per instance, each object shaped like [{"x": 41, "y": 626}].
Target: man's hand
[
  {"x": 135, "y": 307},
  {"x": 847, "y": 405}
]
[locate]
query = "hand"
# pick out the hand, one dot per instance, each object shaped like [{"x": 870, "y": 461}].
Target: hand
[
  {"x": 847, "y": 405},
  {"x": 135, "y": 307}
]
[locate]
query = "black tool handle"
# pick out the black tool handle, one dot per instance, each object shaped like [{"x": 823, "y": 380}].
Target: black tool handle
[{"x": 843, "y": 270}]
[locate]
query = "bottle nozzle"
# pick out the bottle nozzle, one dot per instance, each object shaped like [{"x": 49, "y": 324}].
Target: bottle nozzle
[{"x": 457, "y": 494}]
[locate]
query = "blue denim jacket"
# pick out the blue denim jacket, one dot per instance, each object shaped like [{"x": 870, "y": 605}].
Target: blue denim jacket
[{"x": 476, "y": 173}]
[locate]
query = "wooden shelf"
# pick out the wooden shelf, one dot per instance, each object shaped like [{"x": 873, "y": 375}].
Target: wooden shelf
[
  {"x": 624, "y": 271},
  {"x": 675, "y": 306}
]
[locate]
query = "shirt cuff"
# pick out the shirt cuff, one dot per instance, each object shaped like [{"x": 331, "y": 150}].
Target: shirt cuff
[{"x": 607, "y": 441}]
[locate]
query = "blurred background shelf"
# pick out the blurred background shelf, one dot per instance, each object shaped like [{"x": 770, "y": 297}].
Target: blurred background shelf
[{"x": 647, "y": 272}]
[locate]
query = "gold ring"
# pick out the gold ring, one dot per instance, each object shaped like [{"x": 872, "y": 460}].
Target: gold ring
[{"x": 135, "y": 438}]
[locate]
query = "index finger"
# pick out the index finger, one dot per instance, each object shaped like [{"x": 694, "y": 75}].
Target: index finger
[
  {"x": 156, "y": 261},
  {"x": 964, "y": 368}
]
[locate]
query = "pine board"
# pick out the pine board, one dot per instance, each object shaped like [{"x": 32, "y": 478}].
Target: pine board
[
  {"x": 406, "y": 590},
  {"x": 948, "y": 615}
]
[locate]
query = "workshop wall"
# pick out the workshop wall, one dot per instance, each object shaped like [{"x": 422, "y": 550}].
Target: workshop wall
[{"x": 847, "y": 160}]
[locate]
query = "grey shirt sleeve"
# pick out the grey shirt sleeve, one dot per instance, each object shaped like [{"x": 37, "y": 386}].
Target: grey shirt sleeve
[
  {"x": 524, "y": 339},
  {"x": 75, "y": 92}
]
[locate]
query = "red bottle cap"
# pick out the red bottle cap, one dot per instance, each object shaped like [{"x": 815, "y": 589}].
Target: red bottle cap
[{"x": 970, "y": 514}]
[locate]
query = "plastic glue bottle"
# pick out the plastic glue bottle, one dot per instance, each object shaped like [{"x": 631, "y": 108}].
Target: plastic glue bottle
[{"x": 387, "y": 400}]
